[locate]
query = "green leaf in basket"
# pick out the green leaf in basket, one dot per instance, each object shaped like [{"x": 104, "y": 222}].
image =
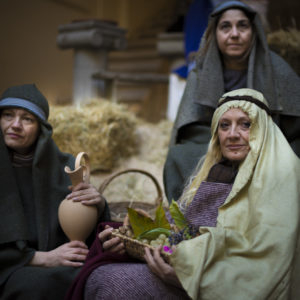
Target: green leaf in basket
[
  {"x": 160, "y": 218},
  {"x": 177, "y": 215},
  {"x": 139, "y": 223},
  {"x": 153, "y": 234}
]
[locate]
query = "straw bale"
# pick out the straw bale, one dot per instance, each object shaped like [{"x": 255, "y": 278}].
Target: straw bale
[
  {"x": 286, "y": 43},
  {"x": 154, "y": 140},
  {"x": 134, "y": 188},
  {"x": 105, "y": 130}
]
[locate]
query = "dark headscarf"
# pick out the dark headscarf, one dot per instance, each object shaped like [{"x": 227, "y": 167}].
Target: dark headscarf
[
  {"x": 28, "y": 97},
  {"x": 233, "y": 4}
]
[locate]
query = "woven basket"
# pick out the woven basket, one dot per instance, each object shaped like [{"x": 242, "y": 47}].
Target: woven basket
[
  {"x": 134, "y": 247},
  {"x": 119, "y": 209}
]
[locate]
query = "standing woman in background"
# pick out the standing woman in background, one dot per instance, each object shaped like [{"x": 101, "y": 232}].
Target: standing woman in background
[{"x": 233, "y": 54}]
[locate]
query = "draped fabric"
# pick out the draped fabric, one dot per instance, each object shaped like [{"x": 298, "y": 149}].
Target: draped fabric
[
  {"x": 267, "y": 72},
  {"x": 203, "y": 210},
  {"x": 96, "y": 258},
  {"x": 49, "y": 186},
  {"x": 249, "y": 254},
  {"x": 247, "y": 244},
  {"x": 123, "y": 281},
  {"x": 108, "y": 275}
]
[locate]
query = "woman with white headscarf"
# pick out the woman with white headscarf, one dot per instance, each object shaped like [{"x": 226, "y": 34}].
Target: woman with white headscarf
[{"x": 244, "y": 197}]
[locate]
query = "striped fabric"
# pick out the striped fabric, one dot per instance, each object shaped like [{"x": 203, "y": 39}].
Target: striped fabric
[
  {"x": 135, "y": 281},
  {"x": 124, "y": 281},
  {"x": 203, "y": 210},
  {"x": 21, "y": 160}
]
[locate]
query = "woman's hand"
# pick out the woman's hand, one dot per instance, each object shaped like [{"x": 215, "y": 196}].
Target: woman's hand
[
  {"x": 87, "y": 194},
  {"x": 71, "y": 254},
  {"x": 159, "y": 267},
  {"x": 109, "y": 243}
]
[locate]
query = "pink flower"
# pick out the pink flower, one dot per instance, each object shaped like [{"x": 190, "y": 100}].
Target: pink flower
[{"x": 167, "y": 249}]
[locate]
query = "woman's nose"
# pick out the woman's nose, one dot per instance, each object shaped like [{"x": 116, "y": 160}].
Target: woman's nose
[
  {"x": 233, "y": 132},
  {"x": 17, "y": 122},
  {"x": 234, "y": 31}
]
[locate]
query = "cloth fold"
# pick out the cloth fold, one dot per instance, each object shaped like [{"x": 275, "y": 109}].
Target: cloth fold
[
  {"x": 31, "y": 190},
  {"x": 96, "y": 258},
  {"x": 223, "y": 172},
  {"x": 257, "y": 226},
  {"x": 267, "y": 72}
]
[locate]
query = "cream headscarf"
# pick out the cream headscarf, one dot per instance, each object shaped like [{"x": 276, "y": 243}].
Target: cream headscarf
[{"x": 248, "y": 255}]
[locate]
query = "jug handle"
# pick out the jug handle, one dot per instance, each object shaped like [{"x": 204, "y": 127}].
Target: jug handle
[{"x": 86, "y": 166}]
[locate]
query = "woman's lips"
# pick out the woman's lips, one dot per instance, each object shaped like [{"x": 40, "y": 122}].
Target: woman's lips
[
  {"x": 234, "y": 45},
  {"x": 235, "y": 147},
  {"x": 14, "y": 135}
]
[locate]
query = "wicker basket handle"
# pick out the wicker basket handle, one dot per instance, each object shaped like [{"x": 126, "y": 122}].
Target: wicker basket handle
[{"x": 105, "y": 183}]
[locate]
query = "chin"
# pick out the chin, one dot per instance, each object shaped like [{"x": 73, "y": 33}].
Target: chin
[
  {"x": 236, "y": 55},
  {"x": 236, "y": 159}
]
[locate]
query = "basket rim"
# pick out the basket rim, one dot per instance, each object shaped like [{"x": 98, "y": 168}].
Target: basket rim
[
  {"x": 114, "y": 233},
  {"x": 106, "y": 182}
]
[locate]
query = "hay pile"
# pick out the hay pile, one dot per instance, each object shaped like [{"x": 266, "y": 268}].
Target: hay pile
[
  {"x": 286, "y": 43},
  {"x": 115, "y": 140},
  {"x": 106, "y": 131},
  {"x": 134, "y": 188},
  {"x": 154, "y": 142}
]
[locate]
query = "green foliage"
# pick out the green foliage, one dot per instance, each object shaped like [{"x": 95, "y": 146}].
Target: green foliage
[
  {"x": 160, "y": 218},
  {"x": 153, "y": 234},
  {"x": 145, "y": 228},
  {"x": 139, "y": 223},
  {"x": 177, "y": 215}
]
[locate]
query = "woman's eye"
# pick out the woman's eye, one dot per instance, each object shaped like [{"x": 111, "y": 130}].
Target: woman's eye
[
  {"x": 244, "y": 25},
  {"x": 225, "y": 26},
  {"x": 224, "y": 125},
  {"x": 7, "y": 115},
  {"x": 28, "y": 120},
  {"x": 246, "y": 124}
]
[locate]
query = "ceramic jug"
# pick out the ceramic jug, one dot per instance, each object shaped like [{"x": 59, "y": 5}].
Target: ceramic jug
[{"x": 78, "y": 220}]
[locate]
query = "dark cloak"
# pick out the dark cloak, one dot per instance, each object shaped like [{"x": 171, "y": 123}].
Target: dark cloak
[
  {"x": 50, "y": 186},
  {"x": 267, "y": 73}
]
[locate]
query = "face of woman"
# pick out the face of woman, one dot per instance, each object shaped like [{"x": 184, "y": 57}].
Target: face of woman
[
  {"x": 233, "y": 133},
  {"x": 20, "y": 129},
  {"x": 234, "y": 34}
]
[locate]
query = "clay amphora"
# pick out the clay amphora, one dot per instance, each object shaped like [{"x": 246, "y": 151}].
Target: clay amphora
[{"x": 78, "y": 220}]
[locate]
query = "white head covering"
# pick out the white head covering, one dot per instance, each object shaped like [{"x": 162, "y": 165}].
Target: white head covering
[{"x": 249, "y": 254}]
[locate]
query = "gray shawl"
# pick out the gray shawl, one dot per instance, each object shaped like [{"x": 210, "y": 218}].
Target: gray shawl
[{"x": 267, "y": 73}]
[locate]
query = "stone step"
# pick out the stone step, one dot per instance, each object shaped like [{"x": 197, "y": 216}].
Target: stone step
[
  {"x": 139, "y": 98},
  {"x": 132, "y": 77},
  {"x": 151, "y": 32},
  {"x": 140, "y": 56},
  {"x": 149, "y": 65},
  {"x": 144, "y": 43},
  {"x": 129, "y": 95},
  {"x": 136, "y": 54}
]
